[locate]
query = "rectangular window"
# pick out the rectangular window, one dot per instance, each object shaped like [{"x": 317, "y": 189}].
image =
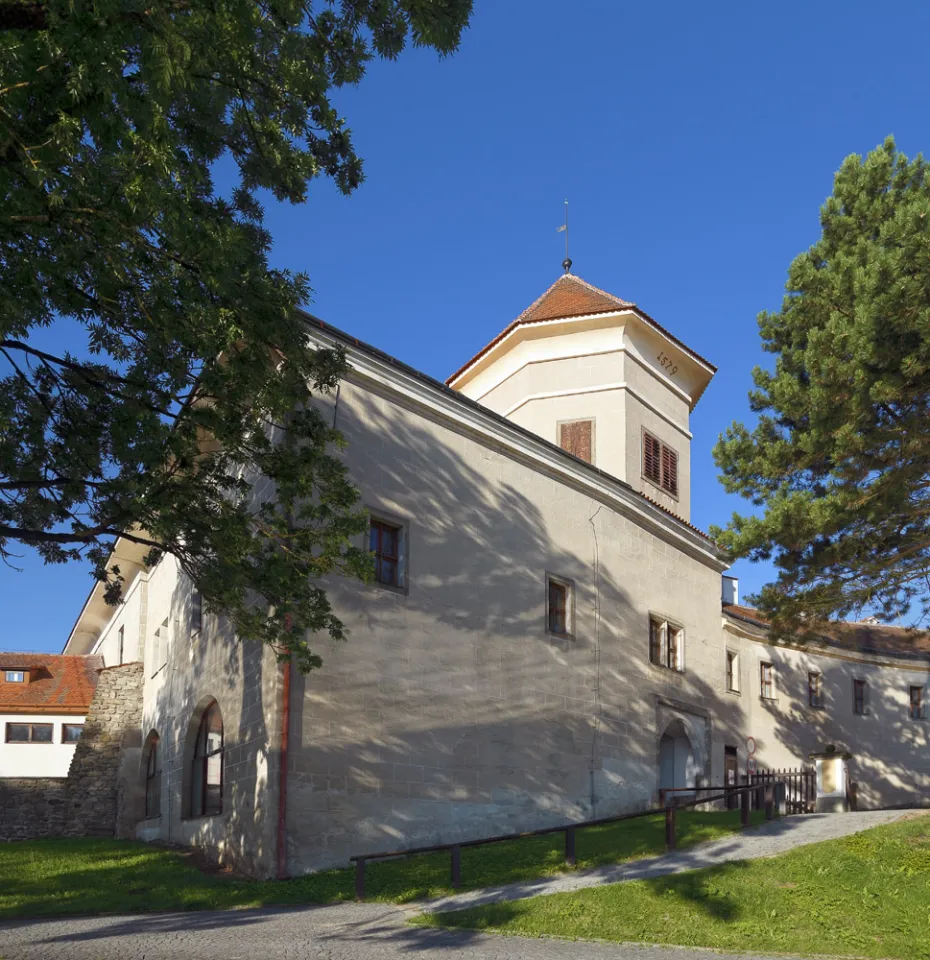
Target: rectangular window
[
  {"x": 917, "y": 703},
  {"x": 559, "y": 613},
  {"x": 666, "y": 644},
  {"x": 196, "y": 612},
  {"x": 732, "y": 672},
  {"x": 386, "y": 543},
  {"x": 814, "y": 689},
  {"x": 859, "y": 697},
  {"x": 660, "y": 464},
  {"x": 71, "y": 732},
  {"x": 767, "y": 681},
  {"x": 577, "y": 438},
  {"x": 122, "y": 637},
  {"x": 29, "y": 733},
  {"x": 16, "y": 676}
]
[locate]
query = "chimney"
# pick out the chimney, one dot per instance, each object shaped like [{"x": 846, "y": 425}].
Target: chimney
[{"x": 730, "y": 587}]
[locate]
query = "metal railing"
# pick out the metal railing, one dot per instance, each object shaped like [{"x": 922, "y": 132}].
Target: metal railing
[{"x": 766, "y": 795}]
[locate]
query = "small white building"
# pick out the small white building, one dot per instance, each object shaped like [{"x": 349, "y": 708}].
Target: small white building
[{"x": 43, "y": 701}]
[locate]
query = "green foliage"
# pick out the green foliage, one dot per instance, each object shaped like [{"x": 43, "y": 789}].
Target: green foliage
[
  {"x": 113, "y": 115},
  {"x": 865, "y": 896},
  {"x": 840, "y": 458},
  {"x": 49, "y": 877}
]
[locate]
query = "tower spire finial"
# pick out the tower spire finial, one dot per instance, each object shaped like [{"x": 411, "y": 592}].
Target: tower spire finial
[{"x": 566, "y": 263}]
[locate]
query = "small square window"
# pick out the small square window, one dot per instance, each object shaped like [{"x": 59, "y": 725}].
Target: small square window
[
  {"x": 16, "y": 676},
  {"x": 767, "y": 681},
  {"x": 732, "y": 671},
  {"x": 17, "y": 733},
  {"x": 386, "y": 542},
  {"x": 71, "y": 732},
  {"x": 814, "y": 689},
  {"x": 666, "y": 644},
  {"x": 577, "y": 438},
  {"x": 559, "y": 607},
  {"x": 917, "y": 711}
]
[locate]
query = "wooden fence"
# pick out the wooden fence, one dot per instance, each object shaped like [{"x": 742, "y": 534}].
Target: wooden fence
[{"x": 800, "y": 786}]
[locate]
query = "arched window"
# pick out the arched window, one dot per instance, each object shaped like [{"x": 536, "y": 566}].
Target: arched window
[
  {"x": 153, "y": 778},
  {"x": 207, "y": 771}
]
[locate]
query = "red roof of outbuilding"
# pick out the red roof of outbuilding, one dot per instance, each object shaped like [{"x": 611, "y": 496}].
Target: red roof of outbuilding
[{"x": 57, "y": 684}]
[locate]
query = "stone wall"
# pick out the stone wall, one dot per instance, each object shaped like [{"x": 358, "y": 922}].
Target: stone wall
[
  {"x": 98, "y": 804},
  {"x": 32, "y": 808},
  {"x": 98, "y": 798}
]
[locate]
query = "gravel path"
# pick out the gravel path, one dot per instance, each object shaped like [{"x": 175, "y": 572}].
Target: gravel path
[
  {"x": 368, "y": 931},
  {"x": 770, "y": 839},
  {"x": 341, "y": 932}
]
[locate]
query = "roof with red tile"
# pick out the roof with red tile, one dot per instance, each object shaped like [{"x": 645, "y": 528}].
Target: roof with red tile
[
  {"x": 570, "y": 296},
  {"x": 861, "y": 636},
  {"x": 57, "y": 684}
]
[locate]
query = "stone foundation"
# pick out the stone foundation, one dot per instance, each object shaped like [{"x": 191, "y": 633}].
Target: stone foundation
[{"x": 32, "y": 808}]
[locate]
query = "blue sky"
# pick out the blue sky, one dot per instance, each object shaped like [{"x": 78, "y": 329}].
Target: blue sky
[{"x": 695, "y": 144}]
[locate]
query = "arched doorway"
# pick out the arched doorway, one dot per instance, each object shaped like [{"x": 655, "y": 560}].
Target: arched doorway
[{"x": 677, "y": 765}]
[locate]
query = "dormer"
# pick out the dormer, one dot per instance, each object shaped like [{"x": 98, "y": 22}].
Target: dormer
[{"x": 600, "y": 378}]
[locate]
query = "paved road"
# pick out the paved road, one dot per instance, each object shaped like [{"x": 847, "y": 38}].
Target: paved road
[
  {"x": 770, "y": 839},
  {"x": 378, "y": 932},
  {"x": 341, "y": 932}
]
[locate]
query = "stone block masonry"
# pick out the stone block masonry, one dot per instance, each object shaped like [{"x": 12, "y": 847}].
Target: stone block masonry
[
  {"x": 97, "y": 798},
  {"x": 111, "y": 740},
  {"x": 32, "y": 808}
]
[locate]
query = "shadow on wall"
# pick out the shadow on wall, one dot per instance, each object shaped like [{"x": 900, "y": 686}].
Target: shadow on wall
[
  {"x": 452, "y": 712},
  {"x": 200, "y": 667},
  {"x": 889, "y": 750}
]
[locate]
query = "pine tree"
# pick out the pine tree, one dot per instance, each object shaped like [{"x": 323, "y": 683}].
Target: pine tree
[{"x": 839, "y": 462}]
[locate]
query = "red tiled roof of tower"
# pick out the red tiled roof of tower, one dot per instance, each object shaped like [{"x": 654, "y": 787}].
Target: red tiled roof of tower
[
  {"x": 570, "y": 296},
  {"x": 57, "y": 684}
]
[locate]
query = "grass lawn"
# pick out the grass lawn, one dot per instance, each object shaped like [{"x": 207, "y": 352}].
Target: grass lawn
[
  {"x": 866, "y": 895},
  {"x": 53, "y": 877}
]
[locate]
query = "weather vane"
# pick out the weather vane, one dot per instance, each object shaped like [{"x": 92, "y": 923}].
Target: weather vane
[{"x": 566, "y": 263}]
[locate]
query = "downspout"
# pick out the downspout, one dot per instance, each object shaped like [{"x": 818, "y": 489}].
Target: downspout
[{"x": 282, "y": 769}]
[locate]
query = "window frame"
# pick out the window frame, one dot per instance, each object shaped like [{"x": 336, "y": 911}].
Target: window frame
[
  {"x": 568, "y": 613},
  {"x": 664, "y": 449},
  {"x": 200, "y": 766},
  {"x": 152, "y": 795},
  {"x": 10, "y": 676},
  {"x": 195, "y": 623},
  {"x": 815, "y": 690},
  {"x": 772, "y": 695},
  {"x": 64, "y": 726},
  {"x": 120, "y": 640},
  {"x": 558, "y": 437},
  {"x": 860, "y": 684},
  {"x": 381, "y": 520},
  {"x": 732, "y": 671},
  {"x": 660, "y": 654},
  {"x": 31, "y": 725},
  {"x": 921, "y": 713}
]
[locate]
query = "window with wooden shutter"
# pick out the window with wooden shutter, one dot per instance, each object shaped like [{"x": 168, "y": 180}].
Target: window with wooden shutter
[
  {"x": 577, "y": 438},
  {"x": 652, "y": 458},
  {"x": 669, "y": 470},
  {"x": 660, "y": 464}
]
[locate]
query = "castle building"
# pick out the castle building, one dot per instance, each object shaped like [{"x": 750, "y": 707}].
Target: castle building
[{"x": 548, "y": 637}]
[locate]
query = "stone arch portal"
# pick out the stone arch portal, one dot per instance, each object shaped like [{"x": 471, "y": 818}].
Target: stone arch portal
[{"x": 678, "y": 760}]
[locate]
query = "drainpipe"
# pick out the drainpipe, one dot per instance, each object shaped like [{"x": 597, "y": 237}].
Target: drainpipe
[{"x": 282, "y": 770}]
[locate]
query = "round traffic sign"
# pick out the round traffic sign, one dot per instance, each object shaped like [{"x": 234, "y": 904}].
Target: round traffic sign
[{"x": 751, "y": 745}]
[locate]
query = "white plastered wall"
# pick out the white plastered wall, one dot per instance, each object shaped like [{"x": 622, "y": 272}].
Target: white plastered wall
[{"x": 36, "y": 759}]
